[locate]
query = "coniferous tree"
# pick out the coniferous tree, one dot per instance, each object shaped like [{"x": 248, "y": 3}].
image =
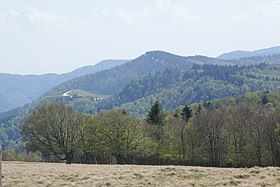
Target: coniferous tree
[
  {"x": 186, "y": 113},
  {"x": 156, "y": 115},
  {"x": 264, "y": 99},
  {"x": 156, "y": 118},
  {"x": 198, "y": 110}
]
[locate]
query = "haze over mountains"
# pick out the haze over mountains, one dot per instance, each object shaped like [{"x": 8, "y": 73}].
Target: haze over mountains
[
  {"x": 17, "y": 90},
  {"x": 153, "y": 72},
  {"x": 136, "y": 84},
  {"x": 109, "y": 81},
  {"x": 242, "y": 54}
]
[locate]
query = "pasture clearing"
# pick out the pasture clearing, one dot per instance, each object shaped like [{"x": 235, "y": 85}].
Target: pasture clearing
[{"x": 26, "y": 174}]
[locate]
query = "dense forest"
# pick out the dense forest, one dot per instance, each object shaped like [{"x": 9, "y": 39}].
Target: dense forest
[
  {"x": 176, "y": 87},
  {"x": 238, "y": 135}
]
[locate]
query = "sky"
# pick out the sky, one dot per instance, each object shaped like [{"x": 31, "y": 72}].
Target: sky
[{"x": 57, "y": 36}]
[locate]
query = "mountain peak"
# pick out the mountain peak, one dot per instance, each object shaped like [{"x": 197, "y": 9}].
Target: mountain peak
[{"x": 242, "y": 54}]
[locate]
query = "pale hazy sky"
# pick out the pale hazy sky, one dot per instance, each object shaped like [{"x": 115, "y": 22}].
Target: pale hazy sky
[{"x": 41, "y": 36}]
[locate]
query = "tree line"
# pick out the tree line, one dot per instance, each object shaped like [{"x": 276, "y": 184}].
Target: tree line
[{"x": 242, "y": 135}]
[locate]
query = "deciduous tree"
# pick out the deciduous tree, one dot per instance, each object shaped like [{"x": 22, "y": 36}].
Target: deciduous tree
[
  {"x": 54, "y": 129},
  {"x": 115, "y": 133}
]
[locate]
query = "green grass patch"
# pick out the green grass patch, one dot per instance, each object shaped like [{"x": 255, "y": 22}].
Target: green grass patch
[{"x": 196, "y": 176}]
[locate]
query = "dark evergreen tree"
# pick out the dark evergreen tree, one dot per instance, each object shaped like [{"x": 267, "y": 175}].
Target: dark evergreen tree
[
  {"x": 156, "y": 115},
  {"x": 198, "y": 110},
  {"x": 156, "y": 118},
  {"x": 264, "y": 99},
  {"x": 187, "y": 113}
]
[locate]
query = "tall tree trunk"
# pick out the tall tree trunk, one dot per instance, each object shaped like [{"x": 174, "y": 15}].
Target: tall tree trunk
[{"x": 183, "y": 146}]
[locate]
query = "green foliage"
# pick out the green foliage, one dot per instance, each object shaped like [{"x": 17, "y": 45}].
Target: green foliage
[
  {"x": 114, "y": 133},
  {"x": 225, "y": 132},
  {"x": 17, "y": 90},
  {"x": 13, "y": 155},
  {"x": 156, "y": 120},
  {"x": 186, "y": 113},
  {"x": 264, "y": 99},
  {"x": 201, "y": 83},
  {"x": 53, "y": 129},
  {"x": 277, "y": 133},
  {"x": 174, "y": 84},
  {"x": 174, "y": 141},
  {"x": 110, "y": 81},
  {"x": 196, "y": 176},
  {"x": 156, "y": 115}
]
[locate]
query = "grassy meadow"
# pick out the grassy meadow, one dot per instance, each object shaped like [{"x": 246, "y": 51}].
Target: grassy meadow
[{"x": 25, "y": 174}]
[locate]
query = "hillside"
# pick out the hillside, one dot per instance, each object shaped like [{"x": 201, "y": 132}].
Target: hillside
[
  {"x": 17, "y": 90},
  {"x": 201, "y": 83},
  {"x": 242, "y": 54},
  {"x": 173, "y": 87},
  {"x": 136, "y": 85},
  {"x": 106, "y": 82},
  {"x": 110, "y": 81},
  {"x": 272, "y": 59}
]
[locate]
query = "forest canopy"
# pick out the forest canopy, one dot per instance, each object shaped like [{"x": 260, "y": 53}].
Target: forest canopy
[{"x": 237, "y": 135}]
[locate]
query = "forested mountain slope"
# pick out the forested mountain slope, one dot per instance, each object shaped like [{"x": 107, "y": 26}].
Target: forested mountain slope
[
  {"x": 17, "y": 90},
  {"x": 136, "y": 85},
  {"x": 179, "y": 86},
  {"x": 201, "y": 83},
  {"x": 109, "y": 81},
  {"x": 174, "y": 87}
]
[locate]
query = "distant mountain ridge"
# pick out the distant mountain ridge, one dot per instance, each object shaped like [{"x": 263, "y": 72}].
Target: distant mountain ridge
[
  {"x": 159, "y": 73},
  {"x": 243, "y": 54},
  {"x": 103, "y": 65},
  {"x": 136, "y": 85},
  {"x": 109, "y": 81},
  {"x": 112, "y": 80},
  {"x": 17, "y": 90}
]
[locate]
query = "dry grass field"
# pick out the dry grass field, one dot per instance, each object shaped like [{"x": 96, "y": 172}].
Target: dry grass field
[{"x": 51, "y": 174}]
